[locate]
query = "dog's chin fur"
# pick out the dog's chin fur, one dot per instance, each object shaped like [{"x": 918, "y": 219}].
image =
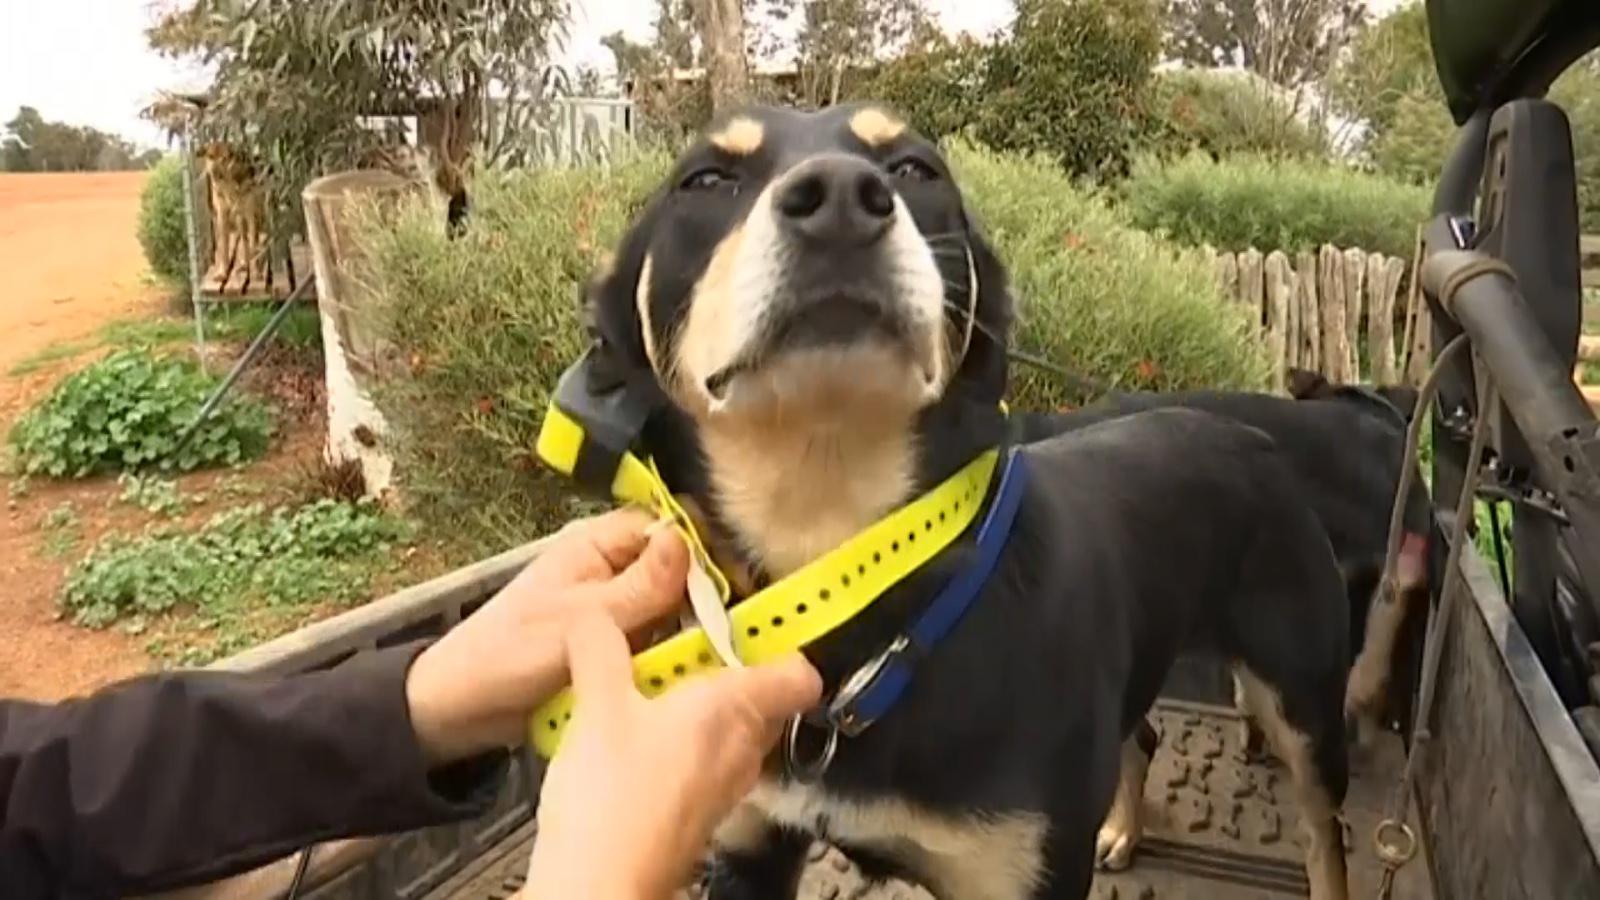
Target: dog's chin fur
[{"x": 811, "y": 448}]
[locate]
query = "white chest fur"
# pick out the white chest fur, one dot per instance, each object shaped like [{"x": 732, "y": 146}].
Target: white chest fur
[{"x": 977, "y": 857}]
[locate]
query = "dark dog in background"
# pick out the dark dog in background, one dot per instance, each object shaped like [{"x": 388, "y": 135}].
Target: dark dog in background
[
  {"x": 1346, "y": 450},
  {"x": 813, "y": 297}
]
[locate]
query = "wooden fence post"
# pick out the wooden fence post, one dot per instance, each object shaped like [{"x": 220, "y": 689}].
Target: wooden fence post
[
  {"x": 1355, "y": 271},
  {"x": 1280, "y": 288},
  {"x": 1228, "y": 274},
  {"x": 1383, "y": 283},
  {"x": 1421, "y": 345},
  {"x": 352, "y": 348},
  {"x": 1251, "y": 283},
  {"x": 1335, "y": 346},
  {"x": 1310, "y": 312}
]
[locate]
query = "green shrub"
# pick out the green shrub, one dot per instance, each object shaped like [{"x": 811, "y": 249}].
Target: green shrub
[
  {"x": 938, "y": 88},
  {"x": 317, "y": 553},
  {"x": 1227, "y": 113},
  {"x": 126, "y": 412},
  {"x": 1071, "y": 80},
  {"x": 1099, "y": 297},
  {"x": 162, "y": 233},
  {"x": 486, "y": 322},
  {"x": 1273, "y": 204}
]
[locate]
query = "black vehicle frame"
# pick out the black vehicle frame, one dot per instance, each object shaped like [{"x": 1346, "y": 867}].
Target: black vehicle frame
[{"x": 1516, "y": 733}]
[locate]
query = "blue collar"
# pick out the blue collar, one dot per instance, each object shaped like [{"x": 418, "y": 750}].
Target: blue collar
[{"x": 872, "y": 690}]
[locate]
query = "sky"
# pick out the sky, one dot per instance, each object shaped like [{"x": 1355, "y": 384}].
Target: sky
[{"x": 86, "y": 62}]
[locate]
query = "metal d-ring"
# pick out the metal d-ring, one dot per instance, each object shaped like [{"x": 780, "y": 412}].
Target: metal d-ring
[
  {"x": 1395, "y": 841},
  {"x": 808, "y": 772}
]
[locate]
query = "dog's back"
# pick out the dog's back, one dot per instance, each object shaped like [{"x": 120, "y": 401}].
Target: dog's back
[{"x": 1240, "y": 550}]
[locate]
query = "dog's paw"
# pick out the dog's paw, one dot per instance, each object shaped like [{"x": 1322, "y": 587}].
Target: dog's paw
[{"x": 1113, "y": 846}]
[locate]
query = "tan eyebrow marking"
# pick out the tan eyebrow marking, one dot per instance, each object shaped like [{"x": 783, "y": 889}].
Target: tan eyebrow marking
[
  {"x": 740, "y": 137},
  {"x": 876, "y": 127}
]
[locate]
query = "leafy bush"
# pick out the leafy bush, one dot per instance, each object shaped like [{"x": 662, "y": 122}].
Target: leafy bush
[
  {"x": 486, "y": 322},
  {"x": 938, "y": 88},
  {"x": 1099, "y": 297},
  {"x": 1285, "y": 205},
  {"x": 1227, "y": 113},
  {"x": 1070, "y": 80},
  {"x": 162, "y": 232},
  {"x": 126, "y": 412},
  {"x": 321, "y": 552}
]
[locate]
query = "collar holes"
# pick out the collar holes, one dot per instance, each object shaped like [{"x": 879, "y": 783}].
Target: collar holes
[
  {"x": 553, "y": 724},
  {"x": 823, "y": 595},
  {"x": 777, "y": 621},
  {"x": 657, "y": 682},
  {"x": 704, "y": 658},
  {"x": 894, "y": 547},
  {"x": 753, "y": 631},
  {"x": 911, "y": 537},
  {"x": 844, "y": 580},
  {"x": 566, "y": 716},
  {"x": 800, "y": 609},
  {"x": 679, "y": 670},
  {"x": 861, "y": 568},
  {"x": 928, "y": 525}
]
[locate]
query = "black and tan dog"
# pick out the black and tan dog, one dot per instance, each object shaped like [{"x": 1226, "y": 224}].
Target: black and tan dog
[
  {"x": 1346, "y": 451},
  {"x": 812, "y": 295}
]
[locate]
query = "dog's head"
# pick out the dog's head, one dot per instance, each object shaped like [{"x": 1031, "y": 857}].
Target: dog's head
[
  {"x": 807, "y": 277},
  {"x": 813, "y": 262}
]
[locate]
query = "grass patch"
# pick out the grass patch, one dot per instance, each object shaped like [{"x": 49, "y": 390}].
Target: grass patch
[
  {"x": 48, "y": 356},
  {"x": 243, "y": 575},
  {"x": 300, "y": 329}
]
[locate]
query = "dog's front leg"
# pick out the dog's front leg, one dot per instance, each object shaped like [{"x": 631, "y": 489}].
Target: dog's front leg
[{"x": 755, "y": 859}]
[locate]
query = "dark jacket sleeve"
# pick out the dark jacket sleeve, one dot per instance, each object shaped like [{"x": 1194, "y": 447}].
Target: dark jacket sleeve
[{"x": 176, "y": 779}]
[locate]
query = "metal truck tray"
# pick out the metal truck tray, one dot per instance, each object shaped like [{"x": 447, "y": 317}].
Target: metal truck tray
[{"x": 1217, "y": 826}]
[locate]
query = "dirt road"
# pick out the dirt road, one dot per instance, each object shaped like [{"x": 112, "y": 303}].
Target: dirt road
[{"x": 69, "y": 263}]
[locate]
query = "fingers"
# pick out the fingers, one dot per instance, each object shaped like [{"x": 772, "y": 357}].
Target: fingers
[
  {"x": 619, "y": 536},
  {"x": 601, "y": 666},
  {"x": 777, "y": 690},
  {"x": 652, "y": 586}
]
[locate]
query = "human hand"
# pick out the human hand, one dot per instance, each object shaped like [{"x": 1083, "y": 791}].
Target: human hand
[
  {"x": 474, "y": 689},
  {"x": 630, "y": 800}
]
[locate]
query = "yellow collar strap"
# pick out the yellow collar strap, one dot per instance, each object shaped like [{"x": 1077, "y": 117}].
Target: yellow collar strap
[{"x": 791, "y": 613}]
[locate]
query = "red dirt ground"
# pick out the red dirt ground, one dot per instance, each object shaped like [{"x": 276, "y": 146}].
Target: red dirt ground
[{"x": 71, "y": 263}]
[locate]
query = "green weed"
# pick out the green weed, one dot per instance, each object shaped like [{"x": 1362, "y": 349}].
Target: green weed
[
  {"x": 152, "y": 494},
  {"x": 286, "y": 558},
  {"x": 62, "y": 531},
  {"x": 127, "y": 412}
]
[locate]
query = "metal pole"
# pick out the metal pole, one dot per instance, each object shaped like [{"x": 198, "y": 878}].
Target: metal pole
[
  {"x": 192, "y": 234},
  {"x": 216, "y": 398}
]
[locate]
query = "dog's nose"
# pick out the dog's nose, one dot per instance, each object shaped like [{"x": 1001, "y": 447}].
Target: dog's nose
[{"x": 840, "y": 200}]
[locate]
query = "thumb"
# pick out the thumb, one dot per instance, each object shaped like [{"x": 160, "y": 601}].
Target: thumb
[
  {"x": 779, "y": 689},
  {"x": 652, "y": 586},
  {"x": 601, "y": 666}
]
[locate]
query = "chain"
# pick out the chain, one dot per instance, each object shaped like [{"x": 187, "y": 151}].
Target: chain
[{"x": 1394, "y": 841}]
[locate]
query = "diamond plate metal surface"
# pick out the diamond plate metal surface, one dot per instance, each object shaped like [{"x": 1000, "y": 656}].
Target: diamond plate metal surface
[{"x": 1218, "y": 826}]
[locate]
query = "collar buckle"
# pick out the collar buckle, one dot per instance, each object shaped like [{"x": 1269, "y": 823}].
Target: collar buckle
[{"x": 845, "y": 712}]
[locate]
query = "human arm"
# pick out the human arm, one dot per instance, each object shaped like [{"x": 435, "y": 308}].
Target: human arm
[{"x": 182, "y": 778}]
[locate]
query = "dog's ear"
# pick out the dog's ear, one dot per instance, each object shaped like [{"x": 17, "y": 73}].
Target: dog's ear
[
  {"x": 1305, "y": 384},
  {"x": 607, "y": 299},
  {"x": 985, "y": 365}
]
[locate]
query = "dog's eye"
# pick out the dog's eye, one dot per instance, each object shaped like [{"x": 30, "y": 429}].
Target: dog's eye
[
  {"x": 707, "y": 179},
  {"x": 913, "y": 169}
]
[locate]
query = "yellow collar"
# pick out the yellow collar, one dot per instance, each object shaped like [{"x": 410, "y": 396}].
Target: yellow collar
[{"x": 791, "y": 613}]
